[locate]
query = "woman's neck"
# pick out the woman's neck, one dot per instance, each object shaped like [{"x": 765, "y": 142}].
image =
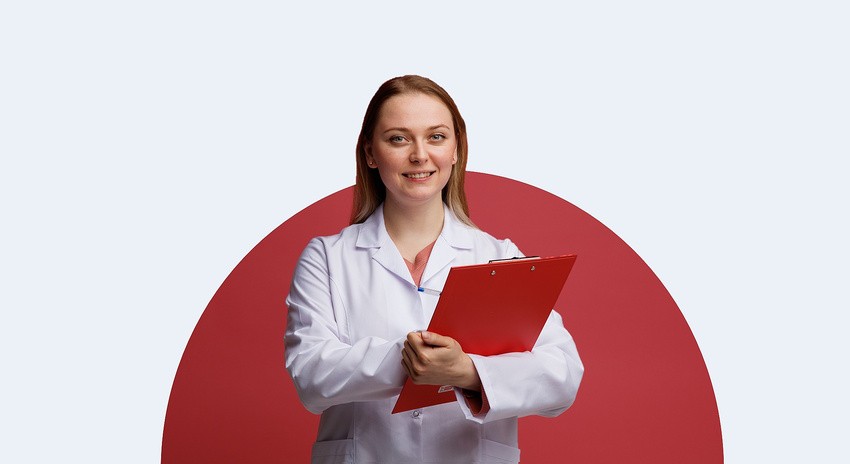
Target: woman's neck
[{"x": 413, "y": 227}]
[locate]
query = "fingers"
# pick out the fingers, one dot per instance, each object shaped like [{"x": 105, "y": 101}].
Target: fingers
[
  {"x": 414, "y": 368},
  {"x": 406, "y": 363},
  {"x": 433, "y": 359},
  {"x": 430, "y": 338},
  {"x": 414, "y": 341},
  {"x": 429, "y": 346},
  {"x": 415, "y": 347},
  {"x": 435, "y": 339},
  {"x": 419, "y": 358}
]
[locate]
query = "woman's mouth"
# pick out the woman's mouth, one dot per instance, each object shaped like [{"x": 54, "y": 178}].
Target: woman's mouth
[{"x": 418, "y": 175}]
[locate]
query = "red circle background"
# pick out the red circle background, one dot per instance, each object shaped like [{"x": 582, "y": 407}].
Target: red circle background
[{"x": 646, "y": 396}]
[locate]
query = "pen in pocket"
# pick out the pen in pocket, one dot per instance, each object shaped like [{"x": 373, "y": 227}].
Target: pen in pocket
[{"x": 429, "y": 291}]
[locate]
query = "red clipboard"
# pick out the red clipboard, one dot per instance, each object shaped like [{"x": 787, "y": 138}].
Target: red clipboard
[{"x": 494, "y": 308}]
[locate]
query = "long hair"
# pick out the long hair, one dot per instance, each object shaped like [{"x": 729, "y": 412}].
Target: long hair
[{"x": 369, "y": 190}]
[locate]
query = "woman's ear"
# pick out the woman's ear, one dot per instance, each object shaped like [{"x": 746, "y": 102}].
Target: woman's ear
[
  {"x": 454, "y": 157},
  {"x": 370, "y": 160}
]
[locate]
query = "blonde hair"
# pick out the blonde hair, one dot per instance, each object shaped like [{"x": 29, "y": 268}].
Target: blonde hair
[{"x": 369, "y": 190}]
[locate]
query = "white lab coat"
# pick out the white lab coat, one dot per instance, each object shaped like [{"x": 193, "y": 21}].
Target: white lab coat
[{"x": 351, "y": 304}]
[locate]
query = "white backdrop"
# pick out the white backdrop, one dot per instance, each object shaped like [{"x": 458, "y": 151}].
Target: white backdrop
[{"x": 148, "y": 146}]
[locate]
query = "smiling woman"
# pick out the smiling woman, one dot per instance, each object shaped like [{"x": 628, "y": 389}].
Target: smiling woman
[
  {"x": 414, "y": 149},
  {"x": 386, "y": 108},
  {"x": 354, "y": 304}
]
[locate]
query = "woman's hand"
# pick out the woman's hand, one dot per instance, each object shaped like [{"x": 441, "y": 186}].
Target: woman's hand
[{"x": 432, "y": 359}]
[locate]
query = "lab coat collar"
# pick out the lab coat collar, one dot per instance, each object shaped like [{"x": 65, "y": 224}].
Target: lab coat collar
[
  {"x": 373, "y": 234},
  {"x": 454, "y": 236}
]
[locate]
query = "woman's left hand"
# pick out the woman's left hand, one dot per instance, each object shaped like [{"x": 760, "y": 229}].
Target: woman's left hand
[{"x": 433, "y": 359}]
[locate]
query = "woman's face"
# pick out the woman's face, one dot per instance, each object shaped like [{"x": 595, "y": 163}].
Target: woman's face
[{"x": 413, "y": 148}]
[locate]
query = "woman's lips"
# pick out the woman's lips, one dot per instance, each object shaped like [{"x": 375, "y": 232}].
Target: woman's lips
[{"x": 418, "y": 175}]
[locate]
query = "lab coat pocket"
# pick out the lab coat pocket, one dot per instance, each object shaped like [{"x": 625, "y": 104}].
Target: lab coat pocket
[
  {"x": 498, "y": 453},
  {"x": 333, "y": 452}
]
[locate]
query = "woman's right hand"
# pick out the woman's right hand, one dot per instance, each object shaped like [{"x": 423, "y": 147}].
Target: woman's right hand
[{"x": 434, "y": 359}]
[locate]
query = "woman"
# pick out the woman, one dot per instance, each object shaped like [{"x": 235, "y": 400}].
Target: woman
[{"x": 354, "y": 304}]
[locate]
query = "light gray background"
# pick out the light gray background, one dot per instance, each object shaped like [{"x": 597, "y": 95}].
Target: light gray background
[{"x": 148, "y": 146}]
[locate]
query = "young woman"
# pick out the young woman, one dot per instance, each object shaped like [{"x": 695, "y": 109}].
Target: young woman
[{"x": 354, "y": 305}]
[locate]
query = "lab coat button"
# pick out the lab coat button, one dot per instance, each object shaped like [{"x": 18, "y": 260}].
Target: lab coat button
[{"x": 416, "y": 413}]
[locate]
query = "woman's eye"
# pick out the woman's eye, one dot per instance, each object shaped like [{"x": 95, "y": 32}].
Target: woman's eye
[
  {"x": 438, "y": 137},
  {"x": 396, "y": 139}
]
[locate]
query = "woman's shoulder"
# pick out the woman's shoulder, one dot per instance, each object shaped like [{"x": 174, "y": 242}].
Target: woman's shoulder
[
  {"x": 486, "y": 244},
  {"x": 346, "y": 237},
  {"x": 501, "y": 248}
]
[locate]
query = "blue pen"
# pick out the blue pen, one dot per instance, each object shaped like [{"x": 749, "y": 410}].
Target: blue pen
[{"x": 429, "y": 291}]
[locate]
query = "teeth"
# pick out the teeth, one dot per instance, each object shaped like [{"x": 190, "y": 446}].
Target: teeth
[{"x": 420, "y": 175}]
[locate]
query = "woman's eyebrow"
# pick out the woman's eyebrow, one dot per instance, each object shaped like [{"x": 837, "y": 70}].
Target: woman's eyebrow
[{"x": 404, "y": 129}]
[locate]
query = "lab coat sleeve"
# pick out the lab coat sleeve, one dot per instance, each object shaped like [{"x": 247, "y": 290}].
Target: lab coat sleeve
[
  {"x": 543, "y": 381},
  {"x": 328, "y": 370}
]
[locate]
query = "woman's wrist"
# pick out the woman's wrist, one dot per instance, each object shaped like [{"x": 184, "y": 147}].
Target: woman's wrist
[{"x": 470, "y": 382}]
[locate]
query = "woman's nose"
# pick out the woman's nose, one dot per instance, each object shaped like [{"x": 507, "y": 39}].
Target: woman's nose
[{"x": 419, "y": 153}]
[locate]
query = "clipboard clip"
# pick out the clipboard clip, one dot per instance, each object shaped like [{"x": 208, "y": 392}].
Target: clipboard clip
[{"x": 512, "y": 259}]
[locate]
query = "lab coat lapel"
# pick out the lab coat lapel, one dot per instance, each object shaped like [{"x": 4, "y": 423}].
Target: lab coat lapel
[
  {"x": 455, "y": 236},
  {"x": 374, "y": 235}
]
